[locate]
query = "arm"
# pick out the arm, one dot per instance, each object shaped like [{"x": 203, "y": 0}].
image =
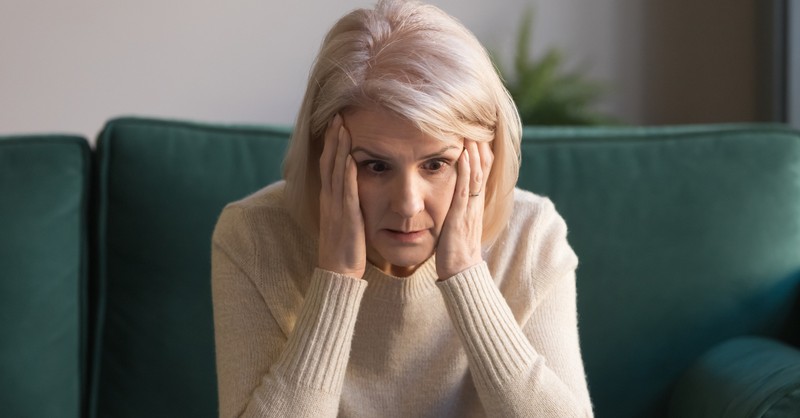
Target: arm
[
  {"x": 261, "y": 371},
  {"x": 279, "y": 366},
  {"x": 535, "y": 370}
]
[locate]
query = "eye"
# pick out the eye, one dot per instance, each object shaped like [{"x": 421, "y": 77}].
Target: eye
[
  {"x": 436, "y": 166},
  {"x": 375, "y": 166}
]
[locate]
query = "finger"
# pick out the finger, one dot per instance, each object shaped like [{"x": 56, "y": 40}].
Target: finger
[
  {"x": 330, "y": 145},
  {"x": 351, "y": 203},
  {"x": 340, "y": 163},
  {"x": 461, "y": 194},
  {"x": 487, "y": 161},
  {"x": 476, "y": 173},
  {"x": 487, "y": 155}
]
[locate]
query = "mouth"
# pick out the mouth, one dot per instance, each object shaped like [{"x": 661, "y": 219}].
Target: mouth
[{"x": 406, "y": 236}]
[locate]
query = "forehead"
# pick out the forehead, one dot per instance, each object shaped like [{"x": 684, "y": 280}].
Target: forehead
[{"x": 380, "y": 128}]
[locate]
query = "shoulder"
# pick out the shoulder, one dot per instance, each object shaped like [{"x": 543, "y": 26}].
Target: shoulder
[
  {"x": 259, "y": 229},
  {"x": 532, "y": 253},
  {"x": 534, "y": 219},
  {"x": 262, "y": 209},
  {"x": 531, "y": 206},
  {"x": 269, "y": 198},
  {"x": 268, "y": 248},
  {"x": 539, "y": 214}
]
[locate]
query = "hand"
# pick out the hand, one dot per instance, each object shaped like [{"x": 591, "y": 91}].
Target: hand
[
  {"x": 342, "y": 247},
  {"x": 459, "y": 246}
]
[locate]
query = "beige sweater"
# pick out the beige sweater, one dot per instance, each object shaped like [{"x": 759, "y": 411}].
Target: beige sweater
[{"x": 499, "y": 339}]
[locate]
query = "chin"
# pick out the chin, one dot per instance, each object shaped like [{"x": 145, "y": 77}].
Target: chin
[{"x": 406, "y": 258}]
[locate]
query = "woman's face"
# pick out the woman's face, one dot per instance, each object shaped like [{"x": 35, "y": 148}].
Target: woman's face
[{"x": 406, "y": 180}]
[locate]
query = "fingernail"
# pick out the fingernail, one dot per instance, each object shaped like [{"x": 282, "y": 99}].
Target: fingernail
[
  {"x": 341, "y": 131},
  {"x": 337, "y": 118},
  {"x": 466, "y": 155}
]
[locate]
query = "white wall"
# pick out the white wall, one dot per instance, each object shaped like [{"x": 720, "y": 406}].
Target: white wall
[{"x": 68, "y": 66}]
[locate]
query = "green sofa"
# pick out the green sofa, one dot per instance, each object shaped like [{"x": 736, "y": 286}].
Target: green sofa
[{"x": 688, "y": 283}]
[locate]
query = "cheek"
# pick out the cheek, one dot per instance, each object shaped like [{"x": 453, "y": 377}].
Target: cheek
[
  {"x": 369, "y": 198},
  {"x": 440, "y": 198}
]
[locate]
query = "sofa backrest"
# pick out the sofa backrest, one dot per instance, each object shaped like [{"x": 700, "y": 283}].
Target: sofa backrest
[
  {"x": 687, "y": 236},
  {"x": 44, "y": 186},
  {"x": 161, "y": 187}
]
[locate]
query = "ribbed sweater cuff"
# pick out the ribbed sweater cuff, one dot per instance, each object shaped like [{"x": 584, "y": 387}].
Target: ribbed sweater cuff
[
  {"x": 318, "y": 349},
  {"x": 498, "y": 350}
]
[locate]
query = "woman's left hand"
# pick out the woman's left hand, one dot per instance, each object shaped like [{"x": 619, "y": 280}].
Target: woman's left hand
[{"x": 459, "y": 246}]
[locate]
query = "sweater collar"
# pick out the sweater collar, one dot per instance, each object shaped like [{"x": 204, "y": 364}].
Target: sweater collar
[{"x": 392, "y": 288}]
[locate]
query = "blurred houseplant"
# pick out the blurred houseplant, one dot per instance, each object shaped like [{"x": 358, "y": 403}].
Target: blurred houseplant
[{"x": 544, "y": 92}]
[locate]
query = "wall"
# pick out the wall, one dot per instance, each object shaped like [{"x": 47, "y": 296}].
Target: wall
[
  {"x": 794, "y": 65},
  {"x": 70, "y": 66},
  {"x": 699, "y": 61}
]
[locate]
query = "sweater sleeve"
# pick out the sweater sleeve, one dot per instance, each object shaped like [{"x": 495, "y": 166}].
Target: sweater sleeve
[
  {"x": 533, "y": 369},
  {"x": 261, "y": 371}
]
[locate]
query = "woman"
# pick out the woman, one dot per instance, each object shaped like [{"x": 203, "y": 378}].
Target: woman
[{"x": 397, "y": 271}]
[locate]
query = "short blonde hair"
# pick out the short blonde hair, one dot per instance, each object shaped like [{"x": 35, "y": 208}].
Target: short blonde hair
[{"x": 420, "y": 63}]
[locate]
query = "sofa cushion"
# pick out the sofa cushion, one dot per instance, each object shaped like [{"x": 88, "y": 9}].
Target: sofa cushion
[
  {"x": 161, "y": 187},
  {"x": 742, "y": 377},
  {"x": 44, "y": 183},
  {"x": 687, "y": 236}
]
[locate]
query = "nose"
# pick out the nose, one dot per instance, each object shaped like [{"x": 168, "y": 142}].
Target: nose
[{"x": 407, "y": 197}]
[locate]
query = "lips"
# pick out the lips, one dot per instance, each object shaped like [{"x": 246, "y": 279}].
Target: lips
[{"x": 406, "y": 236}]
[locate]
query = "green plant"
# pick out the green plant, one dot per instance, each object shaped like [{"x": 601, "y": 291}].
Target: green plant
[{"x": 546, "y": 94}]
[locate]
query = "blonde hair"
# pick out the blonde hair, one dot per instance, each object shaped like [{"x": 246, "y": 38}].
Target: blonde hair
[{"x": 418, "y": 62}]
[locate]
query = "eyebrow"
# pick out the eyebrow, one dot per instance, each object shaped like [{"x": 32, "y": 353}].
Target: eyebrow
[{"x": 383, "y": 157}]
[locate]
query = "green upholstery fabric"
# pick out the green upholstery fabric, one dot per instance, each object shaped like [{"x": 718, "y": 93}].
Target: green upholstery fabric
[
  {"x": 161, "y": 187},
  {"x": 44, "y": 183},
  {"x": 743, "y": 377},
  {"x": 686, "y": 237}
]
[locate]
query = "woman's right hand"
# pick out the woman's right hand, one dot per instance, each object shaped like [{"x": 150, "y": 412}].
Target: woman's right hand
[{"x": 342, "y": 247}]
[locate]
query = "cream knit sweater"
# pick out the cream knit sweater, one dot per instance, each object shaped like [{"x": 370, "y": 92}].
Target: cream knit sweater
[{"x": 499, "y": 339}]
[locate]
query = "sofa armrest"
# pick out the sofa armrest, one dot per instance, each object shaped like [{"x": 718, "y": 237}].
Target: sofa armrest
[{"x": 742, "y": 377}]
